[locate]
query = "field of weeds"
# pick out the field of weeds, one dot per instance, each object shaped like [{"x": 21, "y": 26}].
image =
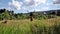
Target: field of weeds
[{"x": 47, "y": 26}]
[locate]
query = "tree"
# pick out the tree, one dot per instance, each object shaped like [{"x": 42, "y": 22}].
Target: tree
[
  {"x": 53, "y": 14},
  {"x": 2, "y": 10},
  {"x": 6, "y": 15}
]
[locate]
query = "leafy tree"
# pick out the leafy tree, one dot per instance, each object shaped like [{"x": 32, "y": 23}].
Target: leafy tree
[{"x": 6, "y": 15}]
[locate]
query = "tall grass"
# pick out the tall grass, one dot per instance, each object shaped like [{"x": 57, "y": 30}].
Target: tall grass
[{"x": 47, "y": 26}]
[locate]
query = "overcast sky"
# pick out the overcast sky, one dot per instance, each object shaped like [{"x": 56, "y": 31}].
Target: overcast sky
[{"x": 30, "y": 5}]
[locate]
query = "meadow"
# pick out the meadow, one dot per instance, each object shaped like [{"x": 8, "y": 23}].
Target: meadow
[{"x": 43, "y": 26}]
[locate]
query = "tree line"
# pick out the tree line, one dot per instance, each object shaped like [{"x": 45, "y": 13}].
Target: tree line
[{"x": 10, "y": 15}]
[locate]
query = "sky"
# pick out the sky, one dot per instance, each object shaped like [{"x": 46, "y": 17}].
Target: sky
[{"x": 24, "y": 6}]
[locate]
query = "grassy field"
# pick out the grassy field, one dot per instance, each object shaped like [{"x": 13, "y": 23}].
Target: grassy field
[{"x": 47, "y": 26}]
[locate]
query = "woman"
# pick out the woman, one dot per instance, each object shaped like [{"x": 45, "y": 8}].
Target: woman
[{"x": 31, "y": 16}]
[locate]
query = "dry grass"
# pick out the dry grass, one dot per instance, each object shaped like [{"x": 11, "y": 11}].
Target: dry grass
[{"x": 24, "y": 26}]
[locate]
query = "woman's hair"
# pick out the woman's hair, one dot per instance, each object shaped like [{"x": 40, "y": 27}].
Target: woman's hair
[{"x": 31, "y": 14}]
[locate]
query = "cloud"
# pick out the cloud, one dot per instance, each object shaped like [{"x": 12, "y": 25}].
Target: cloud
[
  {"x": 45, "y": 8},
  {"x": 37, "y": 2},
  {"x": 17, "y": 5},
  {"x": 25, "y": 8},
  {"x": 37, "y": 10},
  {"x": 29, "y": 2},
  {"x": 49, "y": 3},
  {"x": 34, "y": 2},
  {"x": 40, "y": 1},
  {"x": 56, "y": 1}
]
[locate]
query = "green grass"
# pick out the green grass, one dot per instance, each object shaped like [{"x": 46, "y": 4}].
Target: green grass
[{"x": 47, "y": 26}]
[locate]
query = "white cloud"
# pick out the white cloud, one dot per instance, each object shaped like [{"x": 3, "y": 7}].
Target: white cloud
[
  {"x": 49, "y": 3},
  {"x": 17, "y": 5},
  {"x": 34, "y": 3},
  {"x": 37, "y": 2},
  {"x": 45, "y": 8},
  {"x": 25, "y": 8},
  {"x": 37, "y": 10},
  {"x": 40, "y": 1}
]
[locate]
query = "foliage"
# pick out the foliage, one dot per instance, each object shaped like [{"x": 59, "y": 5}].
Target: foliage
[
  {"x": 0, "y": 16},
  {"x": 6, "y": 14}
]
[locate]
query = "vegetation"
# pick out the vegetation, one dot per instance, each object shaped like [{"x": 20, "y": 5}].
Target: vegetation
[
  {"x": 20, "y": 24},
  {"x": 48, "y": 26},
  {"x": 6, "y": 14}
]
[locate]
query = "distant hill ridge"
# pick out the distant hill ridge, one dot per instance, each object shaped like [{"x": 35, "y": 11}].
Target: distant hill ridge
[{"x": 47, "y": 12}]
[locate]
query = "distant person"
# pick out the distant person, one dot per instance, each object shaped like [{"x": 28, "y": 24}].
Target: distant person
[{"x": 31, "y": 16}]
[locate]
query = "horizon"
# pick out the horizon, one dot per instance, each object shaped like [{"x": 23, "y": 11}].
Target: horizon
[{"x": 25, "y": 6}]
